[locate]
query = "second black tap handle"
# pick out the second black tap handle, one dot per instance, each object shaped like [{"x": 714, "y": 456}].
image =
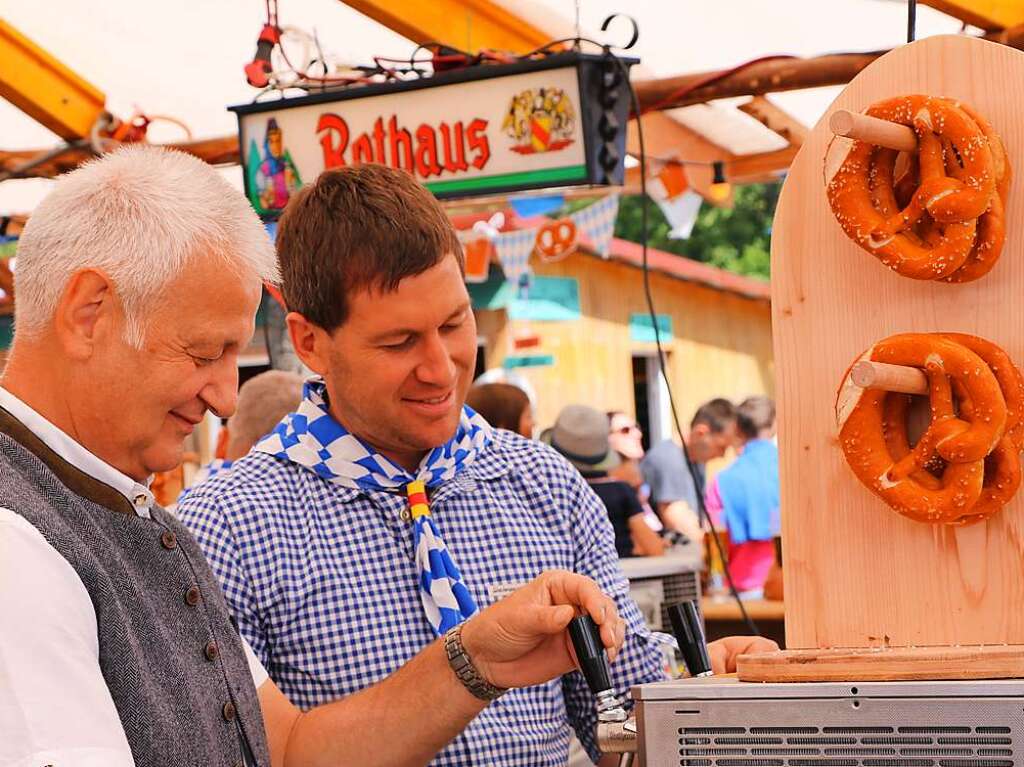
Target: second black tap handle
[
  {"x": 689, "y": 631},
  {"x": 586, "y": 641}
]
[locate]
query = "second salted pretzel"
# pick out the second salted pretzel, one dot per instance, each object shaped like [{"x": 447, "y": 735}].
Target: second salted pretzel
[{"x": 965, "y": 466}]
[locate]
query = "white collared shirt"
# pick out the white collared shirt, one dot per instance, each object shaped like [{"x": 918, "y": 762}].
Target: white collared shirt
[{"x": 55, "y": 707}]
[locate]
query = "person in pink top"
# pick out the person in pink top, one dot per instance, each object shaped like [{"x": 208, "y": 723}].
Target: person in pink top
[{"x": 744, "y": 498}]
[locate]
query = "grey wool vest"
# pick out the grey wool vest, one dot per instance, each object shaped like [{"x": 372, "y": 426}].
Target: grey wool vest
[{"x": 170, "y": 656}]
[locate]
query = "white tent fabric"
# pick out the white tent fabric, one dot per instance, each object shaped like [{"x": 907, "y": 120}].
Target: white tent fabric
[{"x": 186, "y": 59}]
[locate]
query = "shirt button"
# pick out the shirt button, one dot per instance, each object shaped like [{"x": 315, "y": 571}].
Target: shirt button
[
  {"x": 192, "y": 596},
  {"x": 169, "y": 539},
  {"x": 406, "y": 515},
  {"x": 228, "y": 711},
  {"x": 141, "y": 500},
  {"x": 211, "y": 650}
]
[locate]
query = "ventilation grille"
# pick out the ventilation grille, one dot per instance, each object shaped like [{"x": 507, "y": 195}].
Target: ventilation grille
[
  {"x": 951, "y": 746},
  {"x": 678, "y": 587}
]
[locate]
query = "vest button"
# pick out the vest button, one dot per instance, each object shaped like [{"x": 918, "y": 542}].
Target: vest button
[
  {"x": 228, "y": 711},
  {"x": 169, "y": 539},
  {"x": 211, "y": 650},
  {"x": 192, "y": 596}
]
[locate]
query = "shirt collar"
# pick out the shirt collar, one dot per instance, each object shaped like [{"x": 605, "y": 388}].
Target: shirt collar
[{"x": 74, "y": 453}]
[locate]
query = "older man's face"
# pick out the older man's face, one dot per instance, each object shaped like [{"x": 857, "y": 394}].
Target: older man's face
[
  {"x": 143, "y": 403},
  {"x": 401, "y": 364}
]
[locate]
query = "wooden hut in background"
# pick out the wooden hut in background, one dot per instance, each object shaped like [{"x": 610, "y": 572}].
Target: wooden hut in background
[{"x": 597, "y": 347}]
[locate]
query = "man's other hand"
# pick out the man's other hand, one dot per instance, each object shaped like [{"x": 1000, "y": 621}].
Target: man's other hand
[
  {"x": 522, "y": 640},
  {"x": 724, "y": 652}
]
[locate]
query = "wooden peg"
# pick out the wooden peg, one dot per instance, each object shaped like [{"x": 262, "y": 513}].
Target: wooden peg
[
  {"x": 881, "y": 132},
  {"x": 897, "y": 378}
]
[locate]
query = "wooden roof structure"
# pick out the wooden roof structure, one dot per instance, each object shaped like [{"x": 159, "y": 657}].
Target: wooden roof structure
[{"x": 755, "y": 141}]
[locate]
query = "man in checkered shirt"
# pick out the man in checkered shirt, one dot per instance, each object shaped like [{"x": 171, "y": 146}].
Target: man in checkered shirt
[{"x": 321, "y": 577}]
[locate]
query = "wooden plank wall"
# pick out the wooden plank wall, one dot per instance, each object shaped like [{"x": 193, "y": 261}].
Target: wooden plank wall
[{"x": 857, "y": 573}]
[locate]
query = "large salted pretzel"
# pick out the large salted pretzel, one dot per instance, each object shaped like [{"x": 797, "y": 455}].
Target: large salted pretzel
[
  {"x": 965, "y": 466},
  {"x": 938, "y": 215}
]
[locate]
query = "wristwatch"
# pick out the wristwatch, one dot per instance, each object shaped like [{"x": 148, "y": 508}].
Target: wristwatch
[{"x": 464, "y": 669}]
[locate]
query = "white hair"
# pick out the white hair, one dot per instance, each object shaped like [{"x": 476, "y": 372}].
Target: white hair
[{"x": 140, "y": 215}]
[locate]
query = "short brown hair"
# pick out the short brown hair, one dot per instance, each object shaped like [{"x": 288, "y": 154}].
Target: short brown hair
[
  {"x": 500, "y": 404},
  {"x": 716, "y": 414},
  {"x": 354, "y": 228}
]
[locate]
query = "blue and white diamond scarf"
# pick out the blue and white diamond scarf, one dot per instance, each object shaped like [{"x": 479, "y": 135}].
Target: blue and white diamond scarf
[{"x": 313, "y": 439}]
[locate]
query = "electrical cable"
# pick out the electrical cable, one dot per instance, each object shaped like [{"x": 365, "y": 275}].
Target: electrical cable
[
  {"x": 662, "y": 359},
  {"x": 911, "y": 20},
  {"x": 711, "y": 79}
]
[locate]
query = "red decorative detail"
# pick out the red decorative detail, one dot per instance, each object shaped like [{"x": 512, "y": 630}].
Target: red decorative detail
[
  {"x": 525, "y": 342},
  {"x": 554, "y": 146}
]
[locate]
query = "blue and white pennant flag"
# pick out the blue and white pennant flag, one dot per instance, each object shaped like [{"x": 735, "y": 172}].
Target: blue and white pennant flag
[
  {"x": 312, "y": 438},
  {"x": 514, "y": 250},
  {"x": 597, "y": 222}
]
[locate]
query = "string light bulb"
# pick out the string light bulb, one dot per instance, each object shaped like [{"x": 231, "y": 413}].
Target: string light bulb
[{"x": 720, "y": 187}]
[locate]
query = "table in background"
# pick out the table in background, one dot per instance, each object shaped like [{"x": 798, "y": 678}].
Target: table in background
[{"x": 722, "y": 618}]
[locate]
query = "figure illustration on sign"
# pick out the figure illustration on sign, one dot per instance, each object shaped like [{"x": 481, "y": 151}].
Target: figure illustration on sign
[
  {"x": 540, "y": 120},
  {"x": 273, "y": 176}
]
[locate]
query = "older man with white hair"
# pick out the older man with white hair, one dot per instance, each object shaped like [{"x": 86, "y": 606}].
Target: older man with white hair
[{"x": 138, "y": 280}]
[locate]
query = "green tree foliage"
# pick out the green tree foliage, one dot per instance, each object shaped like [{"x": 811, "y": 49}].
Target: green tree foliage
[{"x": 737, "y": 239}]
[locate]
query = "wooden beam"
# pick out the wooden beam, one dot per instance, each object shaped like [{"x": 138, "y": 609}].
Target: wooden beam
[
  {"x": 216, "y": 151},
  {"x": 742, "y": 168},
  {"x": 44, "y": 89},
  {"x": 769, "y": 76},
  {"x": 466, "y": 24},
  {"x": 775, "y": 119},
  {"x": 774, "y": 76},
  {"x": 990, "y": 15}
]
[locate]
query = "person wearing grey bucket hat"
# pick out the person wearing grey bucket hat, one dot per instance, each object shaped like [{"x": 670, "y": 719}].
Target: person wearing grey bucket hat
[{"x": 580, "y": 434}]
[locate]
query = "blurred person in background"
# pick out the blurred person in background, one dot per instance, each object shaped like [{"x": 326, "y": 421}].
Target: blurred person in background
[
  {"x": 503, "y": 406},
  {"x": 581, "y": 435},
  {"x": 673, "y": 493},
  {"x": 744, "y": 498},
  {"x": 626, "y": 439},
  {"x": 263, "y": 401}
]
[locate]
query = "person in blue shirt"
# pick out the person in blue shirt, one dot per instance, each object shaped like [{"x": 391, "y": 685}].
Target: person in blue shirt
[
  {"x": 673, "y": 492},
  {"x": 745, "y": 497},
  {"x": 383, "y": 513}
]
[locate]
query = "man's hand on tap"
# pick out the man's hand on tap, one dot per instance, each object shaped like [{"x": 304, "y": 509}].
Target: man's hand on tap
[
  {"x": 521, "y": 639},
  {"x": 723, "y": 652}
]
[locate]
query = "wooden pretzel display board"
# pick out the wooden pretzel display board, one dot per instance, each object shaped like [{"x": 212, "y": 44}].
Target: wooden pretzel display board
[{"x": 857, "y": 574}]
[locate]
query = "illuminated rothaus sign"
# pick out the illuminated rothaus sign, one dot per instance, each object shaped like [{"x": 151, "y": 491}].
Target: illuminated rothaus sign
[{"x": 482, "y": 130}]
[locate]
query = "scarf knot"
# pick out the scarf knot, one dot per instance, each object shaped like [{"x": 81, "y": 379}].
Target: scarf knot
[{"x": 312, "y": 438}]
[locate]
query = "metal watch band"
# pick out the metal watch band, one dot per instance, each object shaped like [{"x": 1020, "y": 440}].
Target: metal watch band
[{"x": 464, "y": 669}]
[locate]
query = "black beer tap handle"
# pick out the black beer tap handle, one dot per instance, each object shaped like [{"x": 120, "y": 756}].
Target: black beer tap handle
[
  {"x": 689, "y": 632},
  {"x": 586, "y": 640}
]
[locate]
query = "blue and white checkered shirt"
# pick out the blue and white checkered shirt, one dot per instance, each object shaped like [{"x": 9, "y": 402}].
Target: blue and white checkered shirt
[{"x": 323, "y": 582}]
